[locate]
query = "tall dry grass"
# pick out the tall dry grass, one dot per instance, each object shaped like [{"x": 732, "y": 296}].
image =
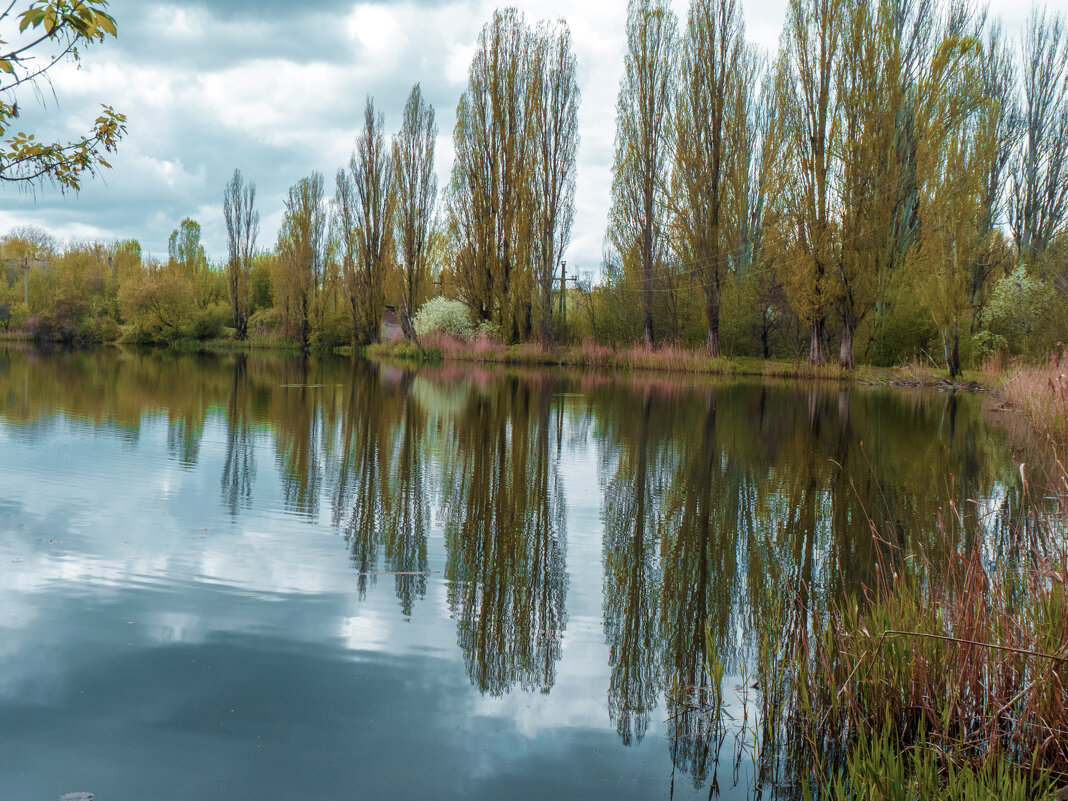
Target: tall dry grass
[
  {"x": 947, "y": 679},
  {"x": 963, "y": 677},
  {"x": 1041, "y": 393}
]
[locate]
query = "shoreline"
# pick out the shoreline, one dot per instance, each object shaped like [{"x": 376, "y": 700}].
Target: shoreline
[{"x": 668, "y": 359}]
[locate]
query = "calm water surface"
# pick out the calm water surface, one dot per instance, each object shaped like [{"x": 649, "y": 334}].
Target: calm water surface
[{"x": 259, "y": 578}]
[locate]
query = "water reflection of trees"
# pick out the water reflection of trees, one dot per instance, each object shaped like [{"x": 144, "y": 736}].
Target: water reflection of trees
[
  {"x": 716, "y": 501},
  {"x": 505, "y": 538},
  {"x": 239, "y": 467},
  {"x": 716, "y": 498}
]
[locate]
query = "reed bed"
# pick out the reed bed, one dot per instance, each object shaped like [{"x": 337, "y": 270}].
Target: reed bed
[
  {"x": 1041, "y": 393},
  {"x": 591, "y": 355},
  {"x": 946, "y": 680}
]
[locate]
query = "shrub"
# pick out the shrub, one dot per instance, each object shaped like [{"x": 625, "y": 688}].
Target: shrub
[
  {"x": 265, "y": 323},
  {"x": 443, "y": 316},
  {"x": 334, "y": 330},
  {"x": 209, "y": 322},
  {"x": 104, "y": 329}
]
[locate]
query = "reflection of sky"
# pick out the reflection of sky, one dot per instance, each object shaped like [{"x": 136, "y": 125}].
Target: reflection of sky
[{"x": 153, "y": 647}]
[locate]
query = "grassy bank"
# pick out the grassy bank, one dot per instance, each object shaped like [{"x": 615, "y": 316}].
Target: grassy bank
[{"x": 667, "y": 358}]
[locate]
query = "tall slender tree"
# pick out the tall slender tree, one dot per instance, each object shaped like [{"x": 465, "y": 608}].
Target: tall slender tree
[
  {"x": 711, "y": 68},
  {"x": 301, "y": 253},
  {"x": 955, "y": 147},
  {"x": 415, "y": 191},
  {"x": 1040, "y": 188},
  {"x": 242, "y": 228},
  {"x": 491, "y": 213},
  {"x": 554, "y": 88},
  {"x": 810, "y": 106},
  {"x": 640, "y": 171},
  {"x": 366, "y": 207}
]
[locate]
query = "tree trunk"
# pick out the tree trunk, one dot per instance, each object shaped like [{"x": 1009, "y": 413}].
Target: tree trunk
[
  {"x": 846, "y": 351},
  {"x": 815, "y": 345},
  {"x": 546, "y": 323},
  {"x": 712, "y": 345},
  {"x": 952, "y": 352},
  {"x": 407, "y": 327}
]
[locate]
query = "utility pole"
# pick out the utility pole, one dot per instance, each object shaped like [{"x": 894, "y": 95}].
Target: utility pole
[{"x": 563, "y": 296}]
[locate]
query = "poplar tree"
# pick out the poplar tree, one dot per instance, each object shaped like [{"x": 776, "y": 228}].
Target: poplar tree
[
  {"x": 954, "y": 148},
  {"x": 555, "y": 92},
  {"x": 301, "y": 253},
  {"x": 242, "y": 228},
  {"x": 365, "y": 202},
  {"x": 1040, "y": 187},
  {"x": 640, "y": 171},
  {"x": 711, "y": 68},
  {"x": 490, "y": 204},
  {"x": 415, "y": 191},
  {"x": 809, "y": 103}
]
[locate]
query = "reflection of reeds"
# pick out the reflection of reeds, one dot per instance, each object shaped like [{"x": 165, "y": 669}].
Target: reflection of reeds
[{"x": 947, "y": 679}]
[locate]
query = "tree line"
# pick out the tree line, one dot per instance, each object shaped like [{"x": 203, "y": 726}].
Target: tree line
[{"x": 893, "y": 181}]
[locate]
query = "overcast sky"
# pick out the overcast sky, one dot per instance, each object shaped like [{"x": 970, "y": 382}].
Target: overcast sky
[{"x": 277, "y": 88}]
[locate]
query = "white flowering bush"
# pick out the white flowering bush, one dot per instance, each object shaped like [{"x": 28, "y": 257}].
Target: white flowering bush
[{"x": 443, "y": 316}]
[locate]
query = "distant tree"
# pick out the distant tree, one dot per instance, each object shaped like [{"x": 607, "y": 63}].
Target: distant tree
[
  {"x": 185, "y": 250},
  {"x": 415, "y": 189},
  {"x": 242, "y": 228},
  {"x": 1039, "y": 205},
  {"x": 809, "y": 104},
  {"x": 48, "y": 32},
  {"x": 955, "y": 147}
]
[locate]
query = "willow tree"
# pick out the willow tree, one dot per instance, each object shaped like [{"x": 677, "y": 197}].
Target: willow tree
[
  {"x": 954, "y": 149},
  {"x": 490, "y": 201},
  {"x": 555, "y": 95},
  {"x": 809, "y": 104},
  {"x": 415, "y": 187},
  {"x": 711, "y": 68},
  {"x": 301, "y": 251},
  {"x": 638, "y": 218},
  {"x": 1040, "y": 190},
  {"x": 365, "y": 205},
  {"x": 242, "y": 228}
]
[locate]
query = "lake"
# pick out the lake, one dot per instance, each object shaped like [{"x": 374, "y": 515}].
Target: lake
[{"x": 235, "y": 577}]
